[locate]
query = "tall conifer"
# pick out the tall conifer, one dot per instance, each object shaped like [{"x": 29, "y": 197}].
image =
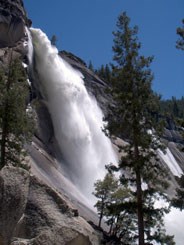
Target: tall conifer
[{"x": 133, "y": 115}]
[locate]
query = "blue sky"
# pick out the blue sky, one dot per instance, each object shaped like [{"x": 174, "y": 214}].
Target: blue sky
[{"x": 84, "y": 27}]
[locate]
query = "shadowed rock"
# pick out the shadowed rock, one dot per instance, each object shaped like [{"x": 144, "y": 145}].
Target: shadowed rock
[{"x": 12, "y": 22}]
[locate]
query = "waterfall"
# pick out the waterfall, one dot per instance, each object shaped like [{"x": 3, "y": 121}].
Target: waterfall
[
  {"x": 76, "y": 116},
  {"x": 30, "y": 47},
  {"x": 77, "y": 121},
  {"x": 170, "y": 161}
]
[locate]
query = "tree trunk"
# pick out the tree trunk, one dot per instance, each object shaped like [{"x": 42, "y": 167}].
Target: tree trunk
[
  {"x": 140, "y": 216},
  {"x": 5, "y": 119},
  {"x": 100, "y": 219},
  {"x": 111, "y": 226},
  {"x": 3, "y": 140},
  {"x": 101, "y": 213},
  {"x": 116, "y": 228},
  {"x": 140, "y": 209}
]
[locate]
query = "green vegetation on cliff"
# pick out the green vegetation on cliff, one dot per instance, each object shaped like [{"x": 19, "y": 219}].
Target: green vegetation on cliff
[
  {"x": 16, "y": 123},
  {"x": 180, "y": 41}
]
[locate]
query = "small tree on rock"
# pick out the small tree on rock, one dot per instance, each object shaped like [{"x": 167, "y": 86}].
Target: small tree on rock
[
  {"x": 16, "y": 124},
  {"x": 54, "y": 40},
  {"x": 103, "y": 191}
]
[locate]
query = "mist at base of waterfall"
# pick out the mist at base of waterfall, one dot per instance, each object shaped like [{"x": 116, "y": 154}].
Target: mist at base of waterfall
[{"x": 76, "y": 117}]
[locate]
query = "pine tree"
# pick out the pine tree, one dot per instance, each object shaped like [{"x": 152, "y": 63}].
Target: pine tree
[
  {"x": 53, "y": 40},
  {"x": 180, "y": 32},
  {"x": 104, "y": 72},
  {"x": 16, "y": 124},
  {"x": 178, "y": 201},
  {"x": 121, "y": 222},
  {"x": 103, "y": 190},
  {"x": 90, "y": 66},
  {"x": 133, "y": 115},
  {"x": 101, "y": 72}
]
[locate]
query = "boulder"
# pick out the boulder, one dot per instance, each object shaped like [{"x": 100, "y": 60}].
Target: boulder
[
  {"x": 50, "y": 219},
  {"x": 14, "y": 189}
]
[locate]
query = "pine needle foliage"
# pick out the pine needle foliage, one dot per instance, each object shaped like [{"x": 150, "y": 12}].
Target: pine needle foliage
[
  {"x": 180, "y": 41},
  {"x": 16, "y": 122},
  {"x": 103, "y": 191},
  {"x": 134, "y": 116}
]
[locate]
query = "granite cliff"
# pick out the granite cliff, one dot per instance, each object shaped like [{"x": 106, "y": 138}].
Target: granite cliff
[
  {"x": 12, "y": 22},
  {"x": 35, "y": 210},
  {"x": 42, "y": 206}
]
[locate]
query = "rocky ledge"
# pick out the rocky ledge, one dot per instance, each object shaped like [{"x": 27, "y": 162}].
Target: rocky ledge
[
  {"x": 33, "y": 213},
  {"x": 12, "y": 22}
]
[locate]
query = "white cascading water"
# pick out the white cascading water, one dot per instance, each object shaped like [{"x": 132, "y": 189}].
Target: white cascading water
[
  {"x": 30, "y": 48},
  {"x": 78, "y": 121},
  {"x": 76, "y": 117},
  {"x": 170, "y": 161},
  {"x": 173, "y": 220}
]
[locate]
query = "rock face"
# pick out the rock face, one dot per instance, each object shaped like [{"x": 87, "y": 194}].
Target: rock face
[
  {"x": 14, "y": 188},
  {"x": 13, "y": 35},
  {"x": 174, "y": 141},
  {"x": 12, "y": 22},
  {"x": 50, "y": 219},
  {"x": 33, "y": 213},
  {"x": 177, "y": 152}
]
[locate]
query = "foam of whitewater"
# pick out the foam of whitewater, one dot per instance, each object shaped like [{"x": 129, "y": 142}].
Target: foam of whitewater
[
  {"x": 174, "y": 225},
  {"x": 174, "y": 219},
  {"x": 171, "y": 162},
  {"x": 76, "y": 117},
  {"x": 30, "y": 47},
  {"x": 173, "y": 222}
]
